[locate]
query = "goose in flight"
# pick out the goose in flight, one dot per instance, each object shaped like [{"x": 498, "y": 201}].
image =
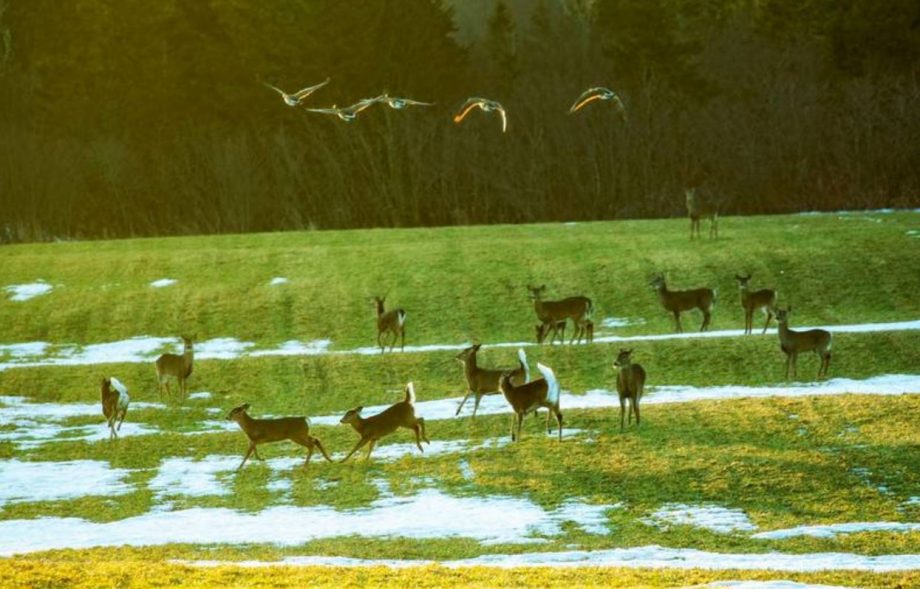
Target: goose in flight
[
  {"x": 486, "y": 105},
  {"x": 295, "y": 98},
  {"x": 348, "y": 113},
  {"x": 592, "y": 94},
  {"x": 400, "y": 103}
]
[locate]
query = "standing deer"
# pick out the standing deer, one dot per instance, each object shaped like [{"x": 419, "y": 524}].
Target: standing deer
[
  {"x": 175, "y": 366},
  {"x": 677, "y": 301},
  {"x": 484, "y": 381},
  {"x": 115, "y": 402},
  {"x": 792, "y": 342},
  {"x": 543, "y": 392},
  {"x": 698, "y": 208},
  {"x": 550, "y": 313},
  {"x": 393, "y": 322},
  {"x": 763, "y": 299},
  {"x": 630, "y": 384},
  {"x": 373, "y": 428},
  {"x": 265, "y": 431}
]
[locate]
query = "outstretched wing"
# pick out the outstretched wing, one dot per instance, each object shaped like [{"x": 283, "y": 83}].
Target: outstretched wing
[
  {"x": 411, "y": 102},
  {"x": 501, "y": 111},
  {"x": 469, "y": 105},
  {"x": 300, "y": 94},
  {"x": 325, "y": 111},
  {"x": 362, "y": 104},
  {"x": 276, "y": 89}
]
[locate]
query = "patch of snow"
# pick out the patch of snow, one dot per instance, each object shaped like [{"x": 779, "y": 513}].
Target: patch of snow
[
  {"x": 24, "y": 292},
  {"x": 912, "y": 501},
  {"x": 324, "y": 484},
  {"x": 201, "y": 395},
  {"x": 297, "y": 348},
  {"x": 193, "y": 478},
  {"x": 710, "y": 517},
  {"x": 777, "y": 584},
  {"x": 54, "y": 481},
  {"x": 466, "y": 470},
  {"x": 163, "y": 282},
  {"x": 833, "y": 530},
  {"x": 614, "y": 322},
  {"x": 27, "y": 351},
  {"x": 221, "y": 348},
  {"x": 278, "y": 280},
  {"x": 280, "y": 485}
]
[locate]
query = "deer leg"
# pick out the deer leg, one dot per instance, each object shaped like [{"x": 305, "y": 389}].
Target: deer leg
[
  {"x": 514, "y": 417},
  {"x": 558, "y": 421},
  {"x": 360, "y": 443},
  {"x": 380, "y": 342},
  {"x": 256, "y": 452},
  {"x": 319, "y": 445},
  {"x": 465, "y": 397},
  {"x": 520, "y": 422},
  {"x": 629, "y": 410},
  {"x": 795, "y": 358},
  {"x": 402, "y": 335},
  {"x": 421, "y": 423},
  {"x": 252, "y": 447},
  {"x": 418, "y": 437},
  {"x": 622, "y": 411},
  {"x": 476, "y": 404},
  {"x": 765, "y": 325},
  {"x": 309, "y": 446},
  {"x": 370, "y": 448},
  {"x": 635, "y": 406},
  {"x": 121, "y": 421},
  {"x": 707, "y": 315},
  {"x": 677, "y": 322}
]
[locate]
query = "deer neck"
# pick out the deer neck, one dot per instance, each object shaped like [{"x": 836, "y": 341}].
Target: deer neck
[
  {"x": 246, "y": 423},
  {"x": 538, "y": 308},
  {"x": 380, "y": 310}
]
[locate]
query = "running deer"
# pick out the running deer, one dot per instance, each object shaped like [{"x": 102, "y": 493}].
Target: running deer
[
  {"x": 543, "y": 392},
  {"x": 698, "y": 208},
  {"x": 630, "y": 384},
  {"x": 677, "y": 301},
  {"x": 553, "y": 330},
  {"x": 792, "y": 342},
  {"x": 393, "y": 322},
  {"x": 265, "y": 431},
  {"x": 373, "y": 428},
  {"x": 550, "y": 313},
  {"x": 484, "y": 381},
  {"x": 175, "y": 366},
  {"x": 763, "y": 299},
  {"x": 115, "y": 402}
]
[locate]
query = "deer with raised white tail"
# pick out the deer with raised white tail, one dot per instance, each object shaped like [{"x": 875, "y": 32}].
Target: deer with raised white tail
[
  {"x": 630, "y": 385},
  {"x": 373, "y": 428},
  {"x": 700, "y": 208},
  {"x": 266, "y": 431},
  {"x": 543, "y": 392},
  {"x": 392, "y": 322},
  {"x": 176, "y": 366},
  {"x": 578, "y": 308},
  {"x": 115, "y": 402},
  {"x": 677, "y": 301},
  {"x": 792, "y": 342},
  {"x": 752, "y": 300},
  {"x": 484, "y": 381}
]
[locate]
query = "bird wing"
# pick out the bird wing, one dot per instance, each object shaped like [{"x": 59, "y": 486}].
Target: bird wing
[
  {"x": 361, "y": 105},
  {"x": 325, "y": 111},
  {"x": 581, "y": 102},
  {"x": 416, "y": 102},
  {"x": 276, "y": 89},
  {"x": 501, "y": 111},
  {"x": 466, "y": 108},
  {"x": 310, "y": 89}
]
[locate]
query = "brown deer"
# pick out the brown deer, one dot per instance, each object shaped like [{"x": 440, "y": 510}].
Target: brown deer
[
  {"x": 553, "y": 330},
  {"x": 677, "y": 301},
  {"x": 543, "y": 392},
  {"x": 115, "y": 402},
  {"x": 175, "y": 366},
  {"x": 392, "y": 322},
  {"x": 550, "y": 313},
  {"x": 373, "y": 428},
  {"x": 792, "y": 342},
  {"x": 763, "y": 299},
  {"x": 484, "y": 381},
  {"x": 265, "y": 431},
  {"x": 630, "y": 384},
  {"x": 698, "y": 208}
]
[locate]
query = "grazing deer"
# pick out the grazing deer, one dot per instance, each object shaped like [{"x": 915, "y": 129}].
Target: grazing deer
[
  {"x": 175, "y": 366},
  {"x": 550, "y": 313},
  {"x": 698, "y": 208},
  {"x": 792, "y": 342},
  {"x": 763, "y": 299},
  {"x": 373, "y": 428},
  {"x": 543, "y": 392},
  {"x": 630, "y": 384},
  {"x": 115, "y": 402},
  {"x": 484, "y": 381},
  {"x": 677, "y": 301},
  {"x": 393, "y": 322},
  {"x": 264, "y": 431},
  {"x": 544, "y": 329}
]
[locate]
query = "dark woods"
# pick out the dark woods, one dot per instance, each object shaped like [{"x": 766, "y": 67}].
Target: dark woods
[{"x": 129, "y": 117}]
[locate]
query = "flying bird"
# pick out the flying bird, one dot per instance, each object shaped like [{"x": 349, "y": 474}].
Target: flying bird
[
  {"x": 295, "y": 98},
  {"x": 486, "y": 105},
  {"x": 592, "y": 94},
  {"x": 400, "y": 103},
  {"x": 348, "y": 113}
]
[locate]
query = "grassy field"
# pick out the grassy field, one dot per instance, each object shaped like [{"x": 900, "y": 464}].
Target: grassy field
[{"x": 782, "y": 461}]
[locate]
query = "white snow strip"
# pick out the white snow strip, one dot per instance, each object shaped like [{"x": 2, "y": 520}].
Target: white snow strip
[
  {"x": 297, "y": 348},
  {"x": 201, "y": 395},
  {"x": 858, "y": 212},
  {"x": 614, "y": 322},
  {"x": 24, "y": 292},
  {"x": 832, "y": 530},
  {"x": 163, "y": 282},
  {"x": 194, "y": 478},
  {"x": 466, "y": 470},
  {"x": 278, "y": 280},
  {"x": 778, "y": 584},
  {"x": 710, "y": 517},
  {"x": 54, "y": 481},
  {"x": 221, "y": 348}
]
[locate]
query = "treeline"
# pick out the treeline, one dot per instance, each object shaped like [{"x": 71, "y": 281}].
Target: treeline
[{"x": 130, "y": 118}]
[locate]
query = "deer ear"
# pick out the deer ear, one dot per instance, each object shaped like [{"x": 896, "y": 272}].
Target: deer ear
[{"x": 245, "y": 406}]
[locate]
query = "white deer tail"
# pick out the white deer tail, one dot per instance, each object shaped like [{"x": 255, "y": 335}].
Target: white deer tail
[
  {"x": 552, "y": 385},
  {"x": 523, "y": 358},
  {"x": 401, "y": 317},
  {"x": 410, "y": 394}
]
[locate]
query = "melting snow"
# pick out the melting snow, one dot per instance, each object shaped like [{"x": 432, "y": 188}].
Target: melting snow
[
  {"x": 201, "y": 395},
  {"x": 832, "y": 530},
  {"x": 278, "y": 280},
  {"x": 613, "y": 322},
  {"x": 24, "y": 292},
  {"x": 163, "y": 282},
  {"x": 54, "y": 481},
  {"x": 196, "y": 478},
  {"x": 297, "y": 348},
  {"x": 717, "y": 519},
  {"x": 466, "y": 470}
]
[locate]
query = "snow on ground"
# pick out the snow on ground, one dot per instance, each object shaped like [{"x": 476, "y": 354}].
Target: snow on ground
[
  {"x": 297, "y": 348},
  {"x": 24, "y": 292},
  {"x": 55, "y": 481},
  {"x": 163, "y": 282},
  {"x": 189, "y": 477},
  {"x": 278, "y": 280},
  {"x": 489, "y": 519},
  {"x": 833, "y": 530},
  {"x": 766, "y": 585},
  {"x": 201, "y": 395},
  {"x": 614, "y": 322},
  {"x": 711, "y": 517}
]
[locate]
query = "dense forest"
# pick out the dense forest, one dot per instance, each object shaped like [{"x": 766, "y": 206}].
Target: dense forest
[{"x": 131, "y": 117}]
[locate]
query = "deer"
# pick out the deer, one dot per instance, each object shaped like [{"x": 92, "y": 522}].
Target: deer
[
  {"x": 176, "y": 366},
  {"x": 543, "y": 392},
  {"x": 484, "y": 381},
  {"x": 372, "y": 428},
  {"x": 698, "y": 208},
  {"x": 115, "y": 402},
  {"x": 393, "y": 322},
  {"x": 763, "y": 299},
  {"x": 553, "y": 330},
  {"x": 266, "y": 431},
  {"x": 630, "y": 384},
  {"x": 677, "y": 301},
  {"x": 550, "y": 313},
  {"x": 792, "y": 342}
]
